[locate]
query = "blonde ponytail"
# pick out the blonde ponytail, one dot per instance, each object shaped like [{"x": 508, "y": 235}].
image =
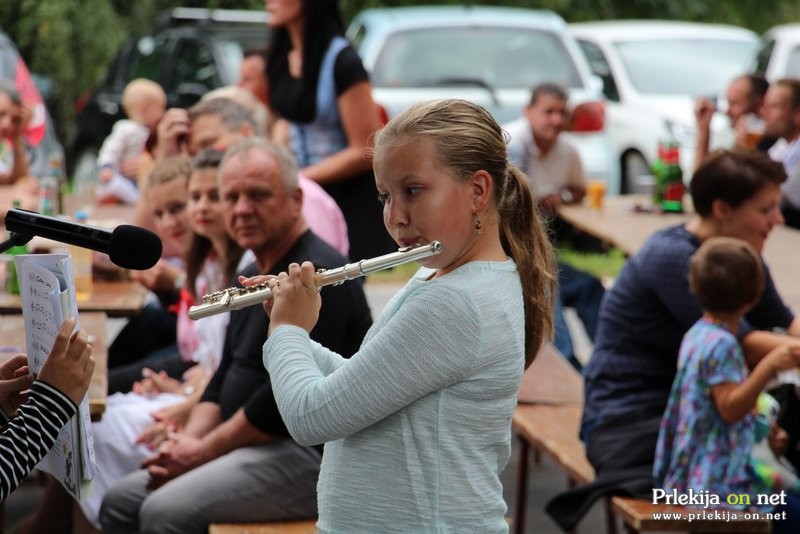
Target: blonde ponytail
[{"x": 524, "y": 238}]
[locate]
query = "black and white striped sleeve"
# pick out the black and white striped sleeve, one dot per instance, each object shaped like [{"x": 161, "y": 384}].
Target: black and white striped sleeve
[{"x": 27, "y": 437}]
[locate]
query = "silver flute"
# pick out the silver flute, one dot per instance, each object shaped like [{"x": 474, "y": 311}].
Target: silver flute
[{"x": 236, "y": 298}]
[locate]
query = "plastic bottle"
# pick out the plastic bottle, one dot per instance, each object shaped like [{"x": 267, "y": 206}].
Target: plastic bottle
[
  {"x": 669, "y": 178},
  {"x": 12, "y": 280},
  {"x": 48, "y": 198},
  {"x": 82, "y": 266},
  {"x": 84, "y": 189}
]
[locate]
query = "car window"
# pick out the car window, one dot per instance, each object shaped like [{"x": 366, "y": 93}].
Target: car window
[
  {"x": 193, "y": 64},
  {"x": 600, "y": 67},
  {"x": 230, "y": 46},
  {"x": 793, "y": 64},
  {"x": 232, "y": 55},
  {"x": 499, "y": 57},
  {"x": 660, "y": 66},
  {"x": 120, "y": 67},
  {"x": 762, "y": 60},
  {"x": 356, "y": 34},
  {"x": 149, "y": 61},
  {"x": 8, "y": 62},
  {"x": 119, "y": 70}
]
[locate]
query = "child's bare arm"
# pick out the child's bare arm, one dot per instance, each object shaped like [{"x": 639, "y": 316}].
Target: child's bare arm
[{"x": 734, "y": 401}]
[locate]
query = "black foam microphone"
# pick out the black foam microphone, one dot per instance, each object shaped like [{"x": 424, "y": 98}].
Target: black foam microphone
[{"x": 128, "y": 246}]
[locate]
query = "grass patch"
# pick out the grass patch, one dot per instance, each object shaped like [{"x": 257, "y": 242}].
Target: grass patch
[
  {"x": 603, "y": 265},
  {"x": 398, "y": 275}
]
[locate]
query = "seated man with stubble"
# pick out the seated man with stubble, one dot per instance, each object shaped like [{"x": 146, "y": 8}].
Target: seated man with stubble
[
  {"x": 556, "y": 174},
  {"x": 234, "y": 461}
]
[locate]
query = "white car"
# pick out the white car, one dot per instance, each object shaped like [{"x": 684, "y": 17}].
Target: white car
[
  {"x": 653, "y": 71},
  {"x": 779, "y": 56},
  {"x": 490, "y": 56}
]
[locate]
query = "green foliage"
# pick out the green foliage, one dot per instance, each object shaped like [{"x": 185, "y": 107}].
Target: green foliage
[
  {"x": 70, "y": 41},
  {"x": 73, "y": 41}
]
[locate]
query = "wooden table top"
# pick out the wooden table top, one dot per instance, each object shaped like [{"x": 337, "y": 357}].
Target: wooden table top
[
  {"x": 12, "y": 334},
  {"x": 619, "y": 224},
  {"x": 115, "y": 298}
]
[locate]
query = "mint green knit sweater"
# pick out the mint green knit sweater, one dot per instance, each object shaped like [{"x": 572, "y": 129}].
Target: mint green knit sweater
[{"x": 417, "y": 424}]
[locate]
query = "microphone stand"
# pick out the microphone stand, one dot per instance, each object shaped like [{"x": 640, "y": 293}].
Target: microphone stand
[{"x": 15, "y": 239}]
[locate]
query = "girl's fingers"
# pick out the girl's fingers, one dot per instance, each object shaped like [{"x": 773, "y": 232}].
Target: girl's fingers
[
  {"x": 307, "y": 276},
  {"x": 63, "y": 337}
]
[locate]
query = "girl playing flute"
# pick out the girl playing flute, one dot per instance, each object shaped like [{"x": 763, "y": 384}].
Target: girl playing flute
[{"x": 417, "y": 425}]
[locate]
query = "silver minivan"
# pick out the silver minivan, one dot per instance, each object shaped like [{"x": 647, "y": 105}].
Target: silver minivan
[{"x": 492, "y": 56}]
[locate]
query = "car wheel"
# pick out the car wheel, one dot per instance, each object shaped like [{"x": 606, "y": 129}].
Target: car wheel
[
  {"x": 85, "y": 170},
  {"x": 633, "y": 166}
]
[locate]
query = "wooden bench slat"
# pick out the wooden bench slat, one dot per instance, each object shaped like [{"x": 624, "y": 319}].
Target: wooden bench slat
[
  {"x": 290, "y": 527},
  {"x": 553, "y": 429},
  {"x": 638, "y": 514}
]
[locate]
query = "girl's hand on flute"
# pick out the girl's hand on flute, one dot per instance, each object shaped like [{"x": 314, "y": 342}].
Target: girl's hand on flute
[
  {"x": 256, "y": 280},
  {"x": 295, "y": 298}
]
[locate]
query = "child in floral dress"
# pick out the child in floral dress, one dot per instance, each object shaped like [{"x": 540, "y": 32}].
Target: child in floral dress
[{"x": 708, "y": 429}]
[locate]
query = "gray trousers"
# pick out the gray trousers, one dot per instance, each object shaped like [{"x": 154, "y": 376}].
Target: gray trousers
[{"x": 271, "y": 482}]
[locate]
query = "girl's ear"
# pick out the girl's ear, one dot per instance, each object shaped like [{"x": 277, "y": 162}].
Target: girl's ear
[
  {"x": 481, "y": 182},
  {"x": 720, "y": 209}
]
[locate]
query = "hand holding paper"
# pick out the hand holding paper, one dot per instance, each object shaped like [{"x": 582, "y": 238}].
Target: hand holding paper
[
  {"x": 62, "y": 359},
  {"x": 70, "y": 365}
]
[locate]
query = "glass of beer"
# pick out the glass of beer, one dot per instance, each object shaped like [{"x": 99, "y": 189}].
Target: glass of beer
[
  {"x": 595, "y": 191},
  {"x": 754, "y": 127}
]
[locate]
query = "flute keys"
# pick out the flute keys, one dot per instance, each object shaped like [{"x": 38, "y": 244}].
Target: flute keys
[
  {"x": 252, "y": 289},
  {"x": 213, "y": 297}
]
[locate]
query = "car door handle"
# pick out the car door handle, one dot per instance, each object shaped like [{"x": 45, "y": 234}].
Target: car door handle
[{"x": 108, "y": 107}]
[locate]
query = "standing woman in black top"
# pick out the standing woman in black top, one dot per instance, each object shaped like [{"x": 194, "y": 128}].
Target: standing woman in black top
[{"x": 318, "y": 83}]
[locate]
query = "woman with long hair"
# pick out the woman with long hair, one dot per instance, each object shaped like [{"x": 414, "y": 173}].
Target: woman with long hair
[{"x": 319, "y": 85}]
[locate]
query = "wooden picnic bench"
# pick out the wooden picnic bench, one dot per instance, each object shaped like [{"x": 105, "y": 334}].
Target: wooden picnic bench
[
  {"x": 553, "y": 430},
  {"x": 547, "y": 421},
  {"x": 290, "y": 527},
  {"x": 640, "y": 515}
]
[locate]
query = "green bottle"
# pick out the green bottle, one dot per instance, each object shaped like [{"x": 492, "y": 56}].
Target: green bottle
[{"x": 12, "y": 280}]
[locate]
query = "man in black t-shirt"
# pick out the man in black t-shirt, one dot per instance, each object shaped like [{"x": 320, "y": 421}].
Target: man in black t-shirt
[{"x": 234, "y": 460}]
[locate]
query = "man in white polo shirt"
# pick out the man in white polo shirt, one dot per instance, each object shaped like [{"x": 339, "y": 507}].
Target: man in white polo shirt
[
  {"x": 552, "y": 164},
  {"x": 554, "y": 169}
]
